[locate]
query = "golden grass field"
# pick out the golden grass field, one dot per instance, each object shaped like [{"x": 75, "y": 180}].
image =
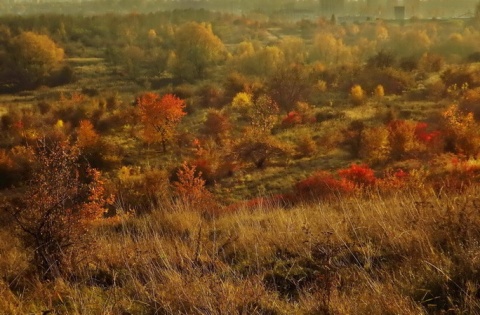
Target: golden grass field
[{"x": 413, "y": 252}]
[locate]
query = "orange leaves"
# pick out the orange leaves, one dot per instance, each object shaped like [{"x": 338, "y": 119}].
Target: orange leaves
[
  {"x": 87, "y": 137},
  {"x": 160, "y": 116},
  {"x": 96, "y": 197},
  {"x": 190, "y": 186},
  {"x": 190, "y": 190}
]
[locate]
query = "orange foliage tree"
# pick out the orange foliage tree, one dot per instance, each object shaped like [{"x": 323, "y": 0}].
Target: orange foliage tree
[
  {"x": 87, "y": 137},
  {"x": 93, "y": 147},
  {"x": 62, "y": 199},
  {"x": 160, "y": 116}
]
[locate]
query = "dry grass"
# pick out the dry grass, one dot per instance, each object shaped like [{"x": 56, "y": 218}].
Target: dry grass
[{"x": 409, "y": 253}]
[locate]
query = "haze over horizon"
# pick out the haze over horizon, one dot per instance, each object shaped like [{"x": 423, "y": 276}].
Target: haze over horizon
[{"x": 424, "y": 9}]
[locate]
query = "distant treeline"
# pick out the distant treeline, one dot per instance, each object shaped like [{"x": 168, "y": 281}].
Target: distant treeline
[
  {"x": 143, "y": 6},
  {"x": 150, "y": 46},
  {"x": 378, "y": 8}
]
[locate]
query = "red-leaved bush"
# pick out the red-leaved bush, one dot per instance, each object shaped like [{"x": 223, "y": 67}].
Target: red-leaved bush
[
  {"x": 360, "y": 175},
  {"x": 323, "y": 185},
  {"x": 293, "y": 118},
  {"x": 426, "y": 137},
  {"x": 354, "y": 180},
  {"x": 303, "y": 114}
]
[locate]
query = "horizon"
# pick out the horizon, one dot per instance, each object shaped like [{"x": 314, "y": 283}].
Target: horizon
[{"x": 384, "y": 9}]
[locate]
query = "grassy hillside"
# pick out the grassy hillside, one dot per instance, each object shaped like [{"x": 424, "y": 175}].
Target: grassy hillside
[{"x": 414, "y": 252}]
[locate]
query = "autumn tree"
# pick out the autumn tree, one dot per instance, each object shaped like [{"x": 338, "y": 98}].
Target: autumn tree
[
  {"x": 374, "y": 144},
  {"x": 196, "y": 49},
  {"x": 379, "y": 91},
  {"x": 217, "y": 124},
  {"x": 413, "y": 42},
  {"x": 330, "y": 49},
  {"x": 92, "y": 146},
  {"x": 61, "y": 200},
  {"x": 257, "y": 145},
  {"x": 357, "y": 95},
  {"x": 190, "y": 190},
  {"x": 263, "y": 115},
  {"x": 242, "y": 102},
  {"x": 462, "y": 135},
  {"x": 265, "y": 61},
  {"x": 242, "y": 58},
  {"x": 403, "y": 140},
  {"x": 32, "y": 58},
  {"x": 293, "y": 49},
  {"x": 260, "y": 61},
  {"x": 160, "y": 116},
  {"x": 290, "y": 84},
  {"x": 87, "y": 137},
  {"x": 260, "y": 150}
]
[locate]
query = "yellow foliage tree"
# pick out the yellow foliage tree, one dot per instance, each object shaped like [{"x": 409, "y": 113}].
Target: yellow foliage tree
[
  {"x": 357, "y": 94},
  {"x": 375, "y": 144},
  {"x": 379, "y": 91},
  {"x": 462, "y": 134},
  {"x": 329, "y": 49},
  {"x": 34, "y": 57},
  {"x": 196, "y": 49},
  {"x": 242, "y": 100}
]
